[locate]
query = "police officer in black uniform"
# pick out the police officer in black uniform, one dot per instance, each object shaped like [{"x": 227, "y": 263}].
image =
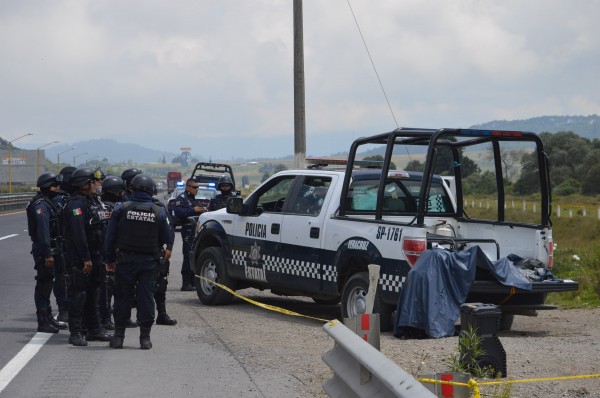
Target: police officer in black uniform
[
  {"x": 137, "y": 230},
  {"x": 127, "y": 176},
  {"x": 113, "y": 188},
  {"x": 160, "y": 296},
  {"x": 60, "y": 288},
  {"x": 84, "y": 220},
  {"x": 186, "y": 205},
  {"x": 43, "y": 221},
  {"x": 227, "y": 189}
]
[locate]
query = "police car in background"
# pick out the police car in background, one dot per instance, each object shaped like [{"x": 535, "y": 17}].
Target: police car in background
[{"x": 313, "y": 232}]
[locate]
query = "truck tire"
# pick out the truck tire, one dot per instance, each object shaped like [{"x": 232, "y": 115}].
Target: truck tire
[
  {"x": 211, "y": 265},
  {"x": 354, "y": 301},
  {"x": 323, "y": 301}
]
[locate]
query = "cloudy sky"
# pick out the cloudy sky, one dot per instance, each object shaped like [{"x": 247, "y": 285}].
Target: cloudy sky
[{"x": 217, "y": 75}]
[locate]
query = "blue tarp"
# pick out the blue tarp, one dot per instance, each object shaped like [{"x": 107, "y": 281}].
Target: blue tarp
[{"x": 439, "y": 283}]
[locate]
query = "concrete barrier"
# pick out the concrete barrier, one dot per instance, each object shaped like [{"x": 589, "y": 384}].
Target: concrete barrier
[{"x": 360, "y": 370}]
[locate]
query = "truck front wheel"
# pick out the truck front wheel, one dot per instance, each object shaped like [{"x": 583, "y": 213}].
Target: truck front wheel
[
  {"x": 210, "y": 265},
  {"x": 354, "y": 298}
]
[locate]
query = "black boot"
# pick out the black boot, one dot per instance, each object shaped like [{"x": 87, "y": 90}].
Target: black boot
[
  {"x": 145, "y": 343},
  {"x": 117, "y": 340},
  {"x": 99, "y": 334},
  {"x": 63, "y": 315},
  {"x": 77, "y": 339},
  {"x": 188, "y": 283},
  {"x": 55, "y": 323},
  {"x": 163, "y": 318},
  {"x": 44, "y": 325},
  {"x": 131, "y": 324},
  {"x": 107, "y": 324}
]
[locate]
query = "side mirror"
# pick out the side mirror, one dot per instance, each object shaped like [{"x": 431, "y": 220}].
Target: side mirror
[{"x": 235, "y": 205}]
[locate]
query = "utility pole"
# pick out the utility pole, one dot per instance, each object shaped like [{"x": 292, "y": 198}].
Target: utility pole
[{"x": 299, "y": 110}]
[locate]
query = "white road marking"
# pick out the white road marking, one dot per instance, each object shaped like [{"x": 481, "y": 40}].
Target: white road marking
[
  {"x": 22, "y": 358},
  {"x": 8, "y": 236}
]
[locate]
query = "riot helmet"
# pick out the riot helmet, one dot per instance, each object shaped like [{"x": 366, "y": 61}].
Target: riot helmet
[
  {"x": 47, "y": 180},
  {"x": 66, "y": 172},
  {"x": 129, "y": 174},
  {"x": 224, "y": 180},
  {"x": 143, "y": 183},
  {"x": 83, "y": 176},
  {"x": 114, "y": 185}
]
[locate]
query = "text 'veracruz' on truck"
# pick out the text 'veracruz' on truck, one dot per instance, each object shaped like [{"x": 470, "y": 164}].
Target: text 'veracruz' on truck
[{"x": 313, "y": 232}]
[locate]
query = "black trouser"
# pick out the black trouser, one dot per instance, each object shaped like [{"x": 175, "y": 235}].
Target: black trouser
[
  {"x": 44, "y": 280},
  {"x": 162, "y": 282},
  {"x": 186, "y": 270},
  {"x": 135, "y": 271},
  {"x": 83, "y": 295},
  {"x": 60, "y": 287}
]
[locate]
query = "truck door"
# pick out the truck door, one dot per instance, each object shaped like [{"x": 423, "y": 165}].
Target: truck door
[
  {"x": 256, "y": 236},
  {"x": 301, "y": 258}
]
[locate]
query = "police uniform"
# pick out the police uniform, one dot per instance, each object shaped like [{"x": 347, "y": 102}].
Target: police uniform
[
  {"x": 220, "y": 201},
  {"x": 106, "y": 292},
  {"x": 184, "y": 208},
  {"x": 136, "y": 231},
  {"x": 84, "y": 218},
  {"x": 160, "y": 296},
  {"x": 43, "y": 219}
]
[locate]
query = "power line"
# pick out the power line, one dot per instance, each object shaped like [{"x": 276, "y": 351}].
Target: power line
[{"x": 373, "y": 64}]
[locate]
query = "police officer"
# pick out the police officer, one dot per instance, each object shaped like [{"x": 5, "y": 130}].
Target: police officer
[
  {"x": 128, "y": 176},
  {"x": 113, "y": 188},
  {"x": 60, "y": 288},
  {"x": 227, "y": 189},
  {"x": 160, "y": 296},
  {"x": 137, "y": 230},
  {"x": 84, "y": 221},
  {"x": 43, "y": 221},
  {"x": 186, "y": 205}
]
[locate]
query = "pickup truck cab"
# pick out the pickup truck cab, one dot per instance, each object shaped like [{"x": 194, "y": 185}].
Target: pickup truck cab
[{"x": 313, "y": 232}]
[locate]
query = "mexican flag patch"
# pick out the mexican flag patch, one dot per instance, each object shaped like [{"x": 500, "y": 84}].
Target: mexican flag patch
[
  {"x": 77, "y": 212},
  {"x": 38, "y": 211},
  {"x": 178, "y": 203}
]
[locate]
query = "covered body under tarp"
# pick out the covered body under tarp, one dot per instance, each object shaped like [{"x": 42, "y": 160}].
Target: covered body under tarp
[{"x": 439, "y": 283}]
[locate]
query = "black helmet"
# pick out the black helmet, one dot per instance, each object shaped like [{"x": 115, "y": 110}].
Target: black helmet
[
  {"x": 225, "y": 180},
  {"x": 46, "y": 180},
  {"x": 128, "y": 175},
  {"x": 66, "y": 172},
  {"x": 143, "y": 183},
  {"x": 84, "y": 175},
  {"x": 113, "y": 184}
]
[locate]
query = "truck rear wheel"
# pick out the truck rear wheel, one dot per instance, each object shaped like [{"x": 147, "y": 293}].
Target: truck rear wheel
[
  {"x": 210, "y": 265},
  {"x": 354, "y": 297}
]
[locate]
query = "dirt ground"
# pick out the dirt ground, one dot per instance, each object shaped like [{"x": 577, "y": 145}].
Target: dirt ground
[{"x": 553, "y": 344}]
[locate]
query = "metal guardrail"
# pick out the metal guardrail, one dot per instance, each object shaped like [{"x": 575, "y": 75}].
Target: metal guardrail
[
  {"x": 360, "y": 370},
  {"x": 15, "y": 201}
]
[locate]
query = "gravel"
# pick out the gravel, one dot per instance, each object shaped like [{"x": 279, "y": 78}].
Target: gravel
[{"x": 554, "y": 344}]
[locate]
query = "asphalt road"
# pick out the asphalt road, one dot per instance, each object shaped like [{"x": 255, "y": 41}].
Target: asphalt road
[{"x": 177, "y": 365}]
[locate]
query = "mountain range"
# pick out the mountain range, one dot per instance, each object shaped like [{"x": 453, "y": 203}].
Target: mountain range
[{"x": 114, "y": 151}]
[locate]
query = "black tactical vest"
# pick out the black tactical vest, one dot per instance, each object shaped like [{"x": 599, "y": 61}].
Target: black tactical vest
[
  {"x": 32, "y": 219},
  {"x": 139, "y": 230}
]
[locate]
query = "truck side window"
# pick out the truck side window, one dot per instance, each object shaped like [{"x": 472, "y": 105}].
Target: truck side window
[
  {"x": 273, "y": 199},
  {"x": 311, "y": 196}
]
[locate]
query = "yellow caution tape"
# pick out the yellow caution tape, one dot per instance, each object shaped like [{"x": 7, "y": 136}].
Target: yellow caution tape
[
  {"x": 474, "y": 384},
  {"x": 262, "y": 305},
  {"x": 589, "y": 376}
]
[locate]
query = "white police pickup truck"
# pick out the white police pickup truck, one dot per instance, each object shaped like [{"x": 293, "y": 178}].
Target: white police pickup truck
[{"x": 312, "y": 232}]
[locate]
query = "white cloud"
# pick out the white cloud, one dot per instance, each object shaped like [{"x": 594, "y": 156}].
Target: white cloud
[{"x": 209, "y": 69}]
